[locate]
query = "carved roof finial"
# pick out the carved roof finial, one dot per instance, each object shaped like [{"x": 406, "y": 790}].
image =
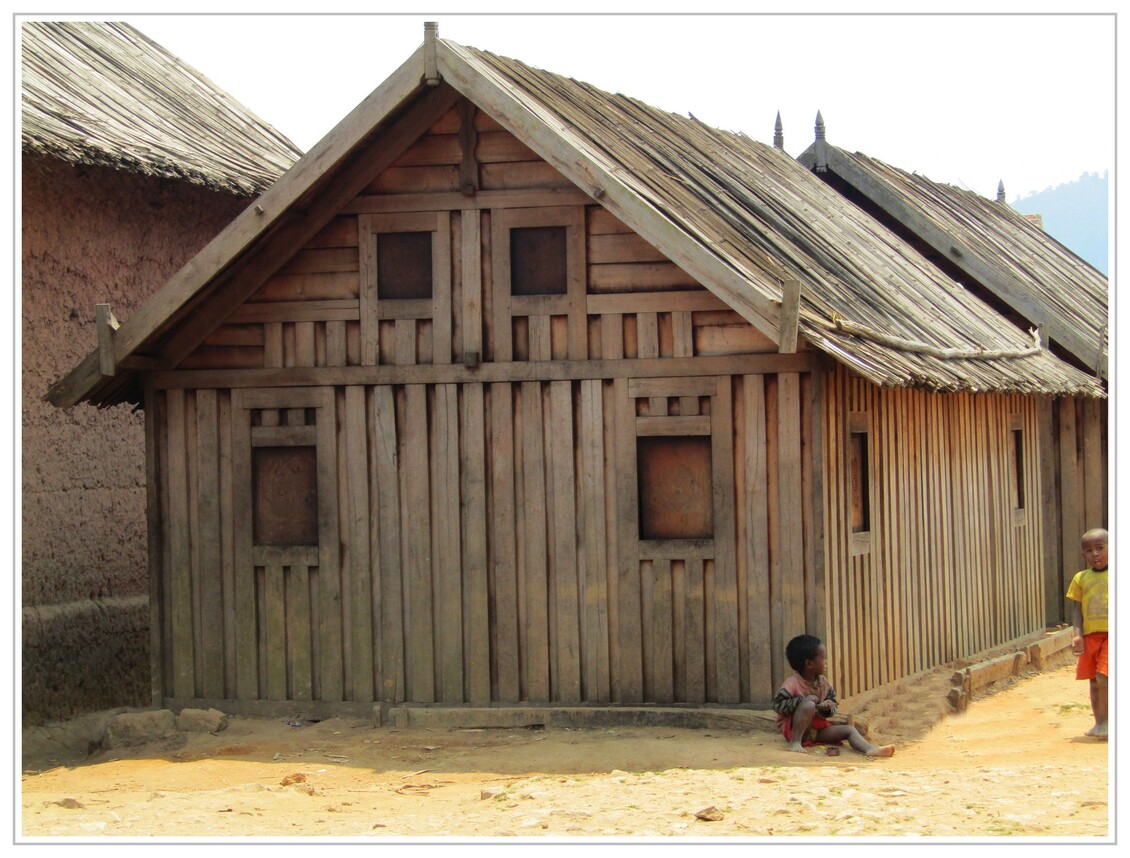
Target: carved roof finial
[
  {"x": 1000, "y": 192},
  {"x": 820, "y": 150},
  {"x": 779, "y": 133},
  {"x": 431, "y": 67}
]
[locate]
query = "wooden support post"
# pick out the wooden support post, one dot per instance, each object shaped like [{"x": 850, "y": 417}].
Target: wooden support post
[
  {"x": 468, "y": 166},
  {"x": 106, "y": 324}
]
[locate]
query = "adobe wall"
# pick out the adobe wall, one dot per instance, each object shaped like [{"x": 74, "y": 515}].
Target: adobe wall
[{"x": 90, "y": 236}]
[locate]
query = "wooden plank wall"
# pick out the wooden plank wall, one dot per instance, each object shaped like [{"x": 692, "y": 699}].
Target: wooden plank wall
[
  {"x": 480, "y": 529},
  {"x": 1078, "y": 430},
  {"x": 950, "y": 566},
  {"x": 488, "y": 533}
]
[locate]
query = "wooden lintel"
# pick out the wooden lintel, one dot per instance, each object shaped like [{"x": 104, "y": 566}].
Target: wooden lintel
[
  {"x": 107, "y": 324},
  {"x": 790, "y": 316}
]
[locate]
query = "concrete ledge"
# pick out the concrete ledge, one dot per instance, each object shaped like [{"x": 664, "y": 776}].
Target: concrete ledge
[{"x": 452, "y": 717}]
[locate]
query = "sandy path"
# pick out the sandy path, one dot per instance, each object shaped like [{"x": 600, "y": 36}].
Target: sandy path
[{"x": 973, "y": 775}]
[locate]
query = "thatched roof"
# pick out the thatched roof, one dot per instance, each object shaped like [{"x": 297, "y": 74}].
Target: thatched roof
[
  {"x": 987, "y": 243},
  {"x": 103, "y": 94},
  {"x": 868, "y": 298},
  {"x": 744, "y": 218}
]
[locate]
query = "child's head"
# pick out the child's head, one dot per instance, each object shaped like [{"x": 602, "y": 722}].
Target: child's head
[
  {"x": 1094, "y": 548},
  {"x": 806, "y": 655}
]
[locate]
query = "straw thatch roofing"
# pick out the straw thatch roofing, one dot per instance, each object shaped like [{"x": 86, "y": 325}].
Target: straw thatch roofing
[
  {"x": 745, "y": 219},
  {"x": 867, "y": 297},
  {"x": 988, "y": 243},
  {"x": 103, "y": 94}
]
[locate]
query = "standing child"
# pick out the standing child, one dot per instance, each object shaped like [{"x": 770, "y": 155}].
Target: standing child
[
  {"x": 1088, "y": 594},
  {"x": 806, "y": 701}
]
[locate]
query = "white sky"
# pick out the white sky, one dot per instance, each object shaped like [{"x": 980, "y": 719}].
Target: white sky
[{"x": 970, "y": 99}]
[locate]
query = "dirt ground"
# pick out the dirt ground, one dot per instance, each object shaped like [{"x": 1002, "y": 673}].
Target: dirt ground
[{"x": 1016, "y": 763}]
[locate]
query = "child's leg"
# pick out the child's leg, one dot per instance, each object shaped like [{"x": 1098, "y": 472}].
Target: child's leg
[
  {"x": 1099, "y": 706},
  {"x": 802, "y": 720},
  {"x": 839, "y": 732}
]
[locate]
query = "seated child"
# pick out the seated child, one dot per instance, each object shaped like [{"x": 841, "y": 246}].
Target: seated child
[{"x": 806, "y": 701}]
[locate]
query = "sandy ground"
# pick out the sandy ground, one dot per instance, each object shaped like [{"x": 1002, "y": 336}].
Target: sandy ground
[{"x": 1016, "y": 763}]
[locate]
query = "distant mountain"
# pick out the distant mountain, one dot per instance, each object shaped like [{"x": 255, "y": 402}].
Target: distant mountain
[{"x": 1075, "y": 215}]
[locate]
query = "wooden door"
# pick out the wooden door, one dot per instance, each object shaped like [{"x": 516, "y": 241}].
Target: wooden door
[{"x": 678, "y": 585}]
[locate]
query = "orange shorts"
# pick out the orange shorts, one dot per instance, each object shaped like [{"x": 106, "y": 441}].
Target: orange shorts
[{"x": 1093, "y": 659}]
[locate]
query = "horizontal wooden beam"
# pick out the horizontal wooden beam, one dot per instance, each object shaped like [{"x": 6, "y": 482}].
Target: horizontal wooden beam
[
  {"x": 454, "y": 201},
  {"x": 755, "y": 364}
]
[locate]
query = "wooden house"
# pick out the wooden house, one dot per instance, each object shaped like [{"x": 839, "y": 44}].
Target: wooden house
[
  {"x": 1035, "y": 282},
  {"x": 515, "y": 392},
  {"x": 131, "y": 161}
]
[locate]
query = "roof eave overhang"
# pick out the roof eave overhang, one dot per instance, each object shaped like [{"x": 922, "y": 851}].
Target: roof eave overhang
[
  {"x": 264, "y": 216},
  {"x": 962, "y": 257}
]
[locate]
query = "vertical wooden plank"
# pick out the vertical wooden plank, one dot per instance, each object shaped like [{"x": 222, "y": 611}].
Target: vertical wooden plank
[
  {"x": 534, "y": 573},
  {"x": 682, "y": 325},
  {"x": 662, "y": 638},
  {"x": 594, "y": 623},
  {"x": 357, "y": 527},
  {"x": 154, "y": 509},
  {"x": 611, "y": 347},
  {"x": 627, "y": 525},
  {"x": 541, "y": 340},
  {"x": 209, "y": 550},
  {"x": 272, "y": 344},
  {"x": 813, "y": 447},
  {"x": 304, "y": 351},
  {"x": 504, "y": 564},
  {"x": 647, "y": 339},
  {"x": 576, "y": 274},
  {"x": 180, "y": 594},
  {"x": 441, "y": 290},
  {"x": 416, "y": 519},
  {"x": 502, "y": 329},
  {"x": 367, "y": 273},
  {"x": 473, "y": 515},
  {"x": 1094, "y": 467},
  {"x": 790, "y": 503},
  {"x": 446, "y": 555},
  {"x": 472, "y": 273},
  {"x": 274, "y": 631},
  {"x": 756, "y": 541},
  {"x": 246, "y": 644},
  {"x": 404, "y": 348},
  {"x": 726, "y": 681},
  {"x": 336, "y": 350},
  {"x": 331, "y": 642},
  {"x": 694, "y": 642},
  {"x": 1071, "y": 506},
  {"x": 567, "y": 650},
  {"x": 299, "y": 661},
  {"x": 385, "y": 470}
]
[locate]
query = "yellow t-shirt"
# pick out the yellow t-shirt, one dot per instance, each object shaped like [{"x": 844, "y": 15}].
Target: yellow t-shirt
[{"x": 1089, "y": 588}]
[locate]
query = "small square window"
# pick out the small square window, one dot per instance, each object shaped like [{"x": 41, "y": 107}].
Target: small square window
[
  {"x": 676, "y": 496},
  {"x": 285, "y": 495},
  {"x": 404, "y": 265},
  {"x": 537, "y": 261}
]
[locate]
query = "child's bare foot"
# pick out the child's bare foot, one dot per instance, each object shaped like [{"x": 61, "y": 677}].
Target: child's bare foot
[
  {"x": 882, "y": 751},
  {"x": 1099, "y": 731},
  {"x": 797, "y": 747}
]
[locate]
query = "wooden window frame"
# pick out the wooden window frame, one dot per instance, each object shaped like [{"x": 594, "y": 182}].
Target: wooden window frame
[
  {"x": 374, "y": 309},
  {"x": 571, "y": 304},
  {"x": 1018, "y": 474},
  {"x": 859, "y": 423},
  {"x": 322, "y": 436}
]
